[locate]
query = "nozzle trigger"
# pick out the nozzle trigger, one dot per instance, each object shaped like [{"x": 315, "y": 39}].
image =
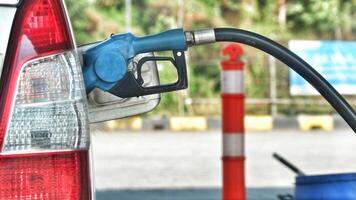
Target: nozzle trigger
[{"x": 130, "y": 86}]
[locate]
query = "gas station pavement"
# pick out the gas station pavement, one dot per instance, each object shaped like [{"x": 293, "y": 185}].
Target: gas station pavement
[{"x": 187, "y": 165}]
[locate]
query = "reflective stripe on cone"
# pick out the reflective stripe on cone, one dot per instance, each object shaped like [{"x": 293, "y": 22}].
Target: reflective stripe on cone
[
  {"x": 233, "y": 145},
  {"x": 232, "y": 82}
]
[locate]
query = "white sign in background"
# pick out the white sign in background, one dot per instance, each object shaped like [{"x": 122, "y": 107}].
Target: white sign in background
[{"x": 334, "y": 60}]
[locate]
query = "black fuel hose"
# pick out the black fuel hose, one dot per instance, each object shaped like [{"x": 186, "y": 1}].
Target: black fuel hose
[{"x": 295, "y": 63}]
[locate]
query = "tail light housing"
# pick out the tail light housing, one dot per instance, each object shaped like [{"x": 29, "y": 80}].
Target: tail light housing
[{"x": 44, "y": 132}]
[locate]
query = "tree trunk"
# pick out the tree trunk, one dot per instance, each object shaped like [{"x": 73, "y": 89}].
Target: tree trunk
[{"x": 282, "y": 12}]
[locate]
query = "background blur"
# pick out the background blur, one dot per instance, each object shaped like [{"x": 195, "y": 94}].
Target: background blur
[
  {"x": 281, "y": 20},
  {"x": 148, "y": 157}
]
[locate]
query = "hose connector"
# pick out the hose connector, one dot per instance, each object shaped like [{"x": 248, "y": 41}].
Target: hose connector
[{"x": 204, "y": 36}]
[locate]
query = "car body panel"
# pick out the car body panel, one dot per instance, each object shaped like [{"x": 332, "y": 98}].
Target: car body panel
[
  {"x": 7, "y": 15},
  {"x": 9, "y": 2}
]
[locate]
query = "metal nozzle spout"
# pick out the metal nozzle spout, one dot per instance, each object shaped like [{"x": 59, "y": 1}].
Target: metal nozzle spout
[{"x": 198, "y": 37}]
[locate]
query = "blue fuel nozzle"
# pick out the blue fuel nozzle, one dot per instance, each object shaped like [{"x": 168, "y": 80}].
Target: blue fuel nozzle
[{"x": 106, "y": 64}]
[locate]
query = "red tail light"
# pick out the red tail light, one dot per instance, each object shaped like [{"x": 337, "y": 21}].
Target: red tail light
[
  {"x": 47, "y": 176},
  {"x": 44, "y": 135}
]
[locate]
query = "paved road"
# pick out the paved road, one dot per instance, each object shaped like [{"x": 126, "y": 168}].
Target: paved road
[
  {"x": 187, "y": 194},
  {"x": 162, "y": 164}
]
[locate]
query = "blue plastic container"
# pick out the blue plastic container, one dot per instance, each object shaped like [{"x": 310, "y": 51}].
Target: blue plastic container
[{"x": 326, "y": 187}]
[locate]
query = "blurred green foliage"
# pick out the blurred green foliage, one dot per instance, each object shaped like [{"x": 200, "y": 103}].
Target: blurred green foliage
[{"x": 281, "y": 20}]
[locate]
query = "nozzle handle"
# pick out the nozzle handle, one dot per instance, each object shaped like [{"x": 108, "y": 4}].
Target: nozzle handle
[{"x": 166, "y": 41}]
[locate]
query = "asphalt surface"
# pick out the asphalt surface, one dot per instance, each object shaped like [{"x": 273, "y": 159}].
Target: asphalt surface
[{"x": 164, "y": 165}]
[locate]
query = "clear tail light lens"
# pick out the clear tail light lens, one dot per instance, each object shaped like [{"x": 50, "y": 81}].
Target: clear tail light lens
[
  {"x": 49, "y": 110},
  {"x": 44, "y": 132}
]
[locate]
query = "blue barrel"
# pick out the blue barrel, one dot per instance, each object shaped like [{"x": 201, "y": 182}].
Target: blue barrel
[{"x": 326, "y": 187}]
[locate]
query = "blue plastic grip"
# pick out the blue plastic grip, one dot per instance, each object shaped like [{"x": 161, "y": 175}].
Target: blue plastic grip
[
  {"x": 168, "y": 40},
  {"x": 90, "y": 78}
]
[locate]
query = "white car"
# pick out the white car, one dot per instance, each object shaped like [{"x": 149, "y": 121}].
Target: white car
[{"x": 44, "y": 127}]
